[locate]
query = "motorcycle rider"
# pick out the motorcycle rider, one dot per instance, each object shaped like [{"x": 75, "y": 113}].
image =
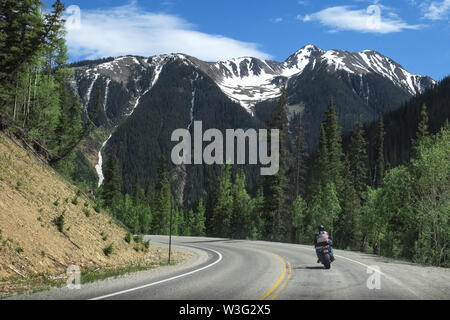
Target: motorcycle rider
[{"x": 322, "y": 238}]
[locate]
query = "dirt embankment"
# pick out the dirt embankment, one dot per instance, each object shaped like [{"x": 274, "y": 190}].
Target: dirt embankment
[{"x": 32, "y": 195}]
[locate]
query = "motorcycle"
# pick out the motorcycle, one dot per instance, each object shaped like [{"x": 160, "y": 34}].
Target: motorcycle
[{"x": 324, "y": 254}]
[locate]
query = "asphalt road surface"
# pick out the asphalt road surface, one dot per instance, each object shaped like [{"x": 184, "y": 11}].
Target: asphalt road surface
[{"x": 223, "y": 269}]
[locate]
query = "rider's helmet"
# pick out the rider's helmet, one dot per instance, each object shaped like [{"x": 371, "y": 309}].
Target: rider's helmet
[{"x": 321, "y": 228}]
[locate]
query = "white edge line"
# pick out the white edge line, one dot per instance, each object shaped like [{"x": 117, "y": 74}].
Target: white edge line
[
  {"x": 365, "y": 265},
  {"x": 381, "y": 273},
  {"x": 162, "y": 281}
]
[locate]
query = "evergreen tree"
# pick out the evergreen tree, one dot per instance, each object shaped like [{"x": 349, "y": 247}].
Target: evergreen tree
[
  {"x": 197, "y": 220},
  {"x": 334, "y": 146},
  {"x": 240, "y": 219},
  {"x": 422, "y": 129},
  {"x": 256, "y": 214},
  {"x": 150, "y": 195},
  {"x": 189, "y": 221},
  {"x": 357, "y": 156},
  {"x": 347, "y": 231},
  {"x": 139, "y": 194},
  {"x": 379, "y": 155},
  {"x": 221, "y": 219},
  {"x": 298, "y": 170},
  {"x": 162, "y": 202},
  {"x": 212, "y": 187},
  {"x": 320, "y": 177},
  {"x": 180, "y": 226},
  {"x": 112, "y": 185}
]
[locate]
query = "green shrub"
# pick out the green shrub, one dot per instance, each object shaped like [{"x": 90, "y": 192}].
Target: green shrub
[
  {"x": 127, "y": 237},
  {"x": 59, "y": 222},
  {"x": 109, "y": 249},
  {"x": 86, "y": 212},
  {"x": 56, "y": 203},
  {"x": 138, "y": 239},
  {"x": 19, "y": 249},
  {"x": 75, "y": 201}
]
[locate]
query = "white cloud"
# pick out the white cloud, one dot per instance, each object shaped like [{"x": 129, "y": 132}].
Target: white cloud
[
  {"x": 438, "y": 10},
  {"x": 129, "y": 30},
  {"x": 368, "y": 20}
]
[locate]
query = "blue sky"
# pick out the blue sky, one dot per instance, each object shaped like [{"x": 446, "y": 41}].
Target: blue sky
[{"x": 414, "y": 33}]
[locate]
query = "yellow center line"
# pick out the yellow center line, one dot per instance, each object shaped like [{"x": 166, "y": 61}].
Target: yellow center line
[
  {"x": 280, "y": 279},
  {"x": 275, "y": 295}
]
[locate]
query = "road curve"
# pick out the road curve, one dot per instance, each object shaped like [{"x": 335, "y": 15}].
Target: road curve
[{"x": 227, "y": 269}]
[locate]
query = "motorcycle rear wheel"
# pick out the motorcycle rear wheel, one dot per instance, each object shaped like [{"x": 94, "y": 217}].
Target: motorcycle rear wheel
[{"x": 326, "y": 261}]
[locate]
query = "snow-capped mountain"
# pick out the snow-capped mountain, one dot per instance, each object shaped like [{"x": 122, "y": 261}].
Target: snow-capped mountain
[{"x": 249, "y": 80}]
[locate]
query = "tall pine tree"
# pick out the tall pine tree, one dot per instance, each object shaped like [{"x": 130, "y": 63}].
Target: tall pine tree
[
  {"x": 379, "y": 155},
  {"x": 162, "y": 201},
  {"x": 112, "y": 185},
  {"x": 221, "y": 219},
  {"x": 357, "y": 156}
]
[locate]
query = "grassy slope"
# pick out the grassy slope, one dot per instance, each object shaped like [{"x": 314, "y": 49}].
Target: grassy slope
[{"x": 31, "y": 196}]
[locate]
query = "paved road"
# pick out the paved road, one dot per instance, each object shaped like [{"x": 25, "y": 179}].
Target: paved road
[{"x": 250, "y": 270}]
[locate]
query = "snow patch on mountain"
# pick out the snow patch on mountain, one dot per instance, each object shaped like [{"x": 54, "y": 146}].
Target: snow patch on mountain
[
  {"x": 98, "y": 166},
  {"x": 88, "y": 95},
  {"x": 247, "y": 81},
  {"x": 105, "y": 99}
]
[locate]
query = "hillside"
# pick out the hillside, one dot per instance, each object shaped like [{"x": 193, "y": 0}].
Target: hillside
[
  {"x": 32, "y": 249},
  {"x": 401, "y": 124}
]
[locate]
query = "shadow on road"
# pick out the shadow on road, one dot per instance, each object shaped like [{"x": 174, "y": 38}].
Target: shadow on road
[{"x": 309, "y": 268}]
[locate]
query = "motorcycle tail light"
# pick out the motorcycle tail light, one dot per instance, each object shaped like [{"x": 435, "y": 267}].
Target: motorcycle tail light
[{"x": 325, "y": 247}]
